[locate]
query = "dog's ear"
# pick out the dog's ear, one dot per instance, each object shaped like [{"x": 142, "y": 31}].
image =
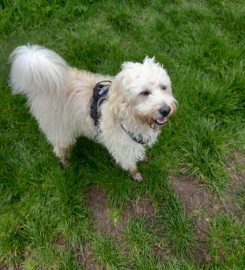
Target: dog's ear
[
  {"x": 119, "y": 107},
  {"x": 149, "y": 60},
  {"x": 117, "y": 104},
  {"x": 116, "y": 96}
]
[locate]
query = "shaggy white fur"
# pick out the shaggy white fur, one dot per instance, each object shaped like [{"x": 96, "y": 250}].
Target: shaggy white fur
[{"x": 140, "y": 101}]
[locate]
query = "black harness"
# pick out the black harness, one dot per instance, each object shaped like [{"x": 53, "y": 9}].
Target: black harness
[{"x": 100, "y": 93}]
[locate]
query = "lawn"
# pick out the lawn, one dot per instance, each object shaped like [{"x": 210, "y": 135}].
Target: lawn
[{"x": 189, "y": 211}]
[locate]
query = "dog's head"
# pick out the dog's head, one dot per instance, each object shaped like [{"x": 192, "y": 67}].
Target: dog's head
[{"x": 143, "y": 91}]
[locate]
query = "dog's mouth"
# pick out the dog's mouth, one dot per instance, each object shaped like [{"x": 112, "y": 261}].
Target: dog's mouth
[{"x": 160, "y": 121}]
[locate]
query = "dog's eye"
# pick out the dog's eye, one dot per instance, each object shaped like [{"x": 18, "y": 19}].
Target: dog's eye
[
  {"x": 163, "y": 87},
  {"x": 145, "y": 93}
]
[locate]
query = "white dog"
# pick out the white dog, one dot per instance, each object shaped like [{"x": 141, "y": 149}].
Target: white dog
[{"x": 67, "y": 103}]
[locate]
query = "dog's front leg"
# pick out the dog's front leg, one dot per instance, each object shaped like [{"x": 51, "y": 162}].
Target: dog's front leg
[
  {"x": 136, "y": 175},
  {"x": 145, "y": 159},
  {"x": 129, "y": 164},
  {"x": 127, "y": 159},
  {"x": 63, "y": 153}
]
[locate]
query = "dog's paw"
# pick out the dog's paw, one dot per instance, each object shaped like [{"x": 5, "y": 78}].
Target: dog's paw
[
  {"x": 145, "y": 159},
  {"x": 137, "y": 176},
  {"x": 64, "y": 161}
]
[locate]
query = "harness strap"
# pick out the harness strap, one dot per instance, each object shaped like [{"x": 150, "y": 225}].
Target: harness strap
[{"x": 100, "y": 93}]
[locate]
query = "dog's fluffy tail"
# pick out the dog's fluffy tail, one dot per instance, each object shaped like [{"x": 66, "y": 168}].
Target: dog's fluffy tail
[{"x": 35, "y": 68}]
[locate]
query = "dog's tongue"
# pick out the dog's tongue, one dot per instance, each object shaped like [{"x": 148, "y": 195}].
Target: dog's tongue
[{"x": 161, "y": 120}]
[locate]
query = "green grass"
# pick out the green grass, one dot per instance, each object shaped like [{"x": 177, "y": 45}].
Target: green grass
[{"x": 201, "y": 44}]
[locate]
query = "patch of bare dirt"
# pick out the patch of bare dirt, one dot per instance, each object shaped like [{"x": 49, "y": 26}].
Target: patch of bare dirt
[
  {"x": 85, "y": 256},
  {"x": 201, "y": 205},
  {"x": 141, "y": 207},
  {"x": 236, "y": 168},
  {"x": 161, "y": 251},
  {"x": 98, "y": 204},
  {"x": 192, "y": 194},
  {"x": 3, "y": 267},
  {"x": 60, "y": 241},
  {"x": 239, "y": 158}
]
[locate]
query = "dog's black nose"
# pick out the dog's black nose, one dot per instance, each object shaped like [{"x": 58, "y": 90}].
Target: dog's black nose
[{"x": 165, "y": 110}]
